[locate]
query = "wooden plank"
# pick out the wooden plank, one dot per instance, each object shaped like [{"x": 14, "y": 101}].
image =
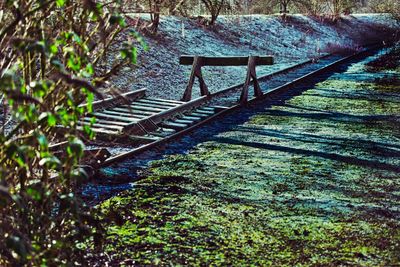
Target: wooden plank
[
  {"x": 191, "y": 118},
  {"x": 116, "y": 100},
  {"x": 101, "y": 125},
  {"x": 161, "y": 134},
  {"x": 168, "y": 130},
  {"x": 227, "y": 61},
  {"x": 102, "y": 131},
  {"x": 202, "y": 115},
  {"x": 163, "y": 107},
  {"x": 219, "y": 108},
  {"x": 165, "y": 100},
  {"x": 122, "y": 114},
  {"x": 174, "y": 125},
  {"x": 135, "y": 107},
  {"x": 208, "y": 109},
  {"x": 144, "y": 138},
  {"x": 183, "y": 121},
  {"x": 204, "y": 111},
  {"x": 133, "y": 113},
  {"x": 112, "y": 117},
  {"x": 145, "y": 100},
  {"x": 106, "y": 121},
  {"x": 136, "y": 127}
]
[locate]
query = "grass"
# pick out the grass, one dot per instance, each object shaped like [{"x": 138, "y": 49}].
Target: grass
[{"x": 311, "y": 182}]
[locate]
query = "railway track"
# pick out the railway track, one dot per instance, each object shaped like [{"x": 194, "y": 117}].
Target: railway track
[{"x": 134, "y": 123}]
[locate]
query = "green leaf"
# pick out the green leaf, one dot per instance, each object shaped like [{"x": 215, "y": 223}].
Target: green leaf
[
  {"x": 90, "y": 69},
  {"x": 53, "y": 49},
  {"x": 75, "y": 148},
  {"x": 34, "y": 193},
  {"x": 74, "y": 63},
  {"x": 51, "y": 162},
  {"x": 42, "y": 140},
  {"x": 60, "y": 3},
  {"x": 51, "y": 120},
  {"x": 139, "y": 39},
  {"x": 118, "y": 19}
]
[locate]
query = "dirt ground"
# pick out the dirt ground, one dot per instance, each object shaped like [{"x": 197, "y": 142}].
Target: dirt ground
[{"x": 309, "y": 181}]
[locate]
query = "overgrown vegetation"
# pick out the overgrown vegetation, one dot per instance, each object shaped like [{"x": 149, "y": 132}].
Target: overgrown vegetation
[
  {"x": 55, "y": 55},
  {"x": 51, "y": 61},
  {"x": 311, "y": 181},
  {"x": 327, "y": 9},
  {"x": 390, "y": 61}
]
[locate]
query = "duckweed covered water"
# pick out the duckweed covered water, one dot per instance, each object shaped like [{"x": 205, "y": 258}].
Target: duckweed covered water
[{"x": 311, "y": 181}]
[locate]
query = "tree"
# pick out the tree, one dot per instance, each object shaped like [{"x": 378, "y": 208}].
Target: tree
[
  {"x": 342, "y": 7},
  {"x": 178, "y": 7},
  {"x": 155, "y": 9},
  {"x": 391, "y": 7},
  {"x": 313, "y": 7},
  {"x": 284, "y": 5},
  {"x": 214, "y": 7},
  {"x": 52, "y": 59}
]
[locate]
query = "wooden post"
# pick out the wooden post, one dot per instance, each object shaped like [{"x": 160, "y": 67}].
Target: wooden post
[
  {"x": 251, "y": 74},
  {"x": 198, "y": 62}
]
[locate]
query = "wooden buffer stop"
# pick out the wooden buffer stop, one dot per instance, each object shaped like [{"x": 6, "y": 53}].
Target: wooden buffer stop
[{"x": 198, "y": 62}]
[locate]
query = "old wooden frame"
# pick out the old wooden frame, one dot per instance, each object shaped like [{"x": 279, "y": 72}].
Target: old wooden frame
[
  {"x": 150, "y": 123},
  {"x": 116, "y": 100},
  {"x": 198, "y": 62}
]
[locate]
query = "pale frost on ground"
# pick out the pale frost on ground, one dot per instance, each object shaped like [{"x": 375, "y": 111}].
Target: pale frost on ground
[{"x": 292, "y": 41}]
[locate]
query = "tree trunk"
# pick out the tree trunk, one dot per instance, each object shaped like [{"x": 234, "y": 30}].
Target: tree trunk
[
  {"x": 155, "y": 18},
  {"x": 213, "y": 19}
]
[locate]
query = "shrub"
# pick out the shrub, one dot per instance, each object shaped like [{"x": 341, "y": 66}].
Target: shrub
[{"x": 51, "y": 60}]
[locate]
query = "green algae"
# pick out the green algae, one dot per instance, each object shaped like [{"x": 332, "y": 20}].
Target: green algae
[{"x": 312, "y": 182}]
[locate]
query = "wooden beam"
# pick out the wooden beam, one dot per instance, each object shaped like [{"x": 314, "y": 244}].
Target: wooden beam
[
  {"x": 124, "y": 114},
  {"x": 148, "y": 124},
  {"x": 116, "y": 100},
  {"x": 118, "y": 123},
  {"x": 158, "y": 104},
  {"x": 136, "y": 107},
  {"x": 251, "y": 75},
  {"x": 101, "y": 125},
  {"x": 198, "y": 62},
  {"x": 165, "y": 100},
  {"x": 112, "y": 117},
  {"x": 133, "y": 113},
  {"x": 227, "y": 61},
  {"x": 174, "y": 125},
  {"x": 144, "y": 100}
]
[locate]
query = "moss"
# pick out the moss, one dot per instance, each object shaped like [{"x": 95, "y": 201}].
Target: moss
[{"x": 314, "y": 181}]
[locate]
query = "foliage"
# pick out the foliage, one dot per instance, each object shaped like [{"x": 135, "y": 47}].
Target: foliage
[
  {"x": 52, "y": 59},
  {"x": 391, "y": 7},
  {"x": 214, "y": 7},
  {"x": 311, "y": 181},
  {"x": 390, "y": 61}
]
